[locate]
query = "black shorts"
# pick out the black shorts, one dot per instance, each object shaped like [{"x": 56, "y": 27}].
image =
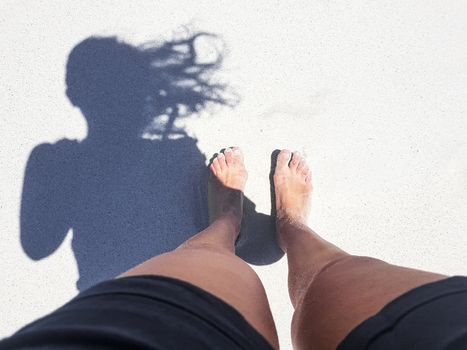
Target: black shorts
[
  {"x": 149, "y": 312},
  {"x": 433, "y": 316},
  {"x": 144, "y": 312}
]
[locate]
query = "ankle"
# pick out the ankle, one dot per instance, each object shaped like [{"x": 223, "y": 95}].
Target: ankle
[
  {"x": 291, "y": 231},
  {"x": 287, "y": 217},
  {"x": 229, "y": 221}
]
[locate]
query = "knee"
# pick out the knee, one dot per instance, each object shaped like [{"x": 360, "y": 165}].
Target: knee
[
  {"x": 345, "y": 265},
  {"x": 329, "y": 295},
  {"x": 341, "y": 273},
  {"x": 201, "y": 245}
]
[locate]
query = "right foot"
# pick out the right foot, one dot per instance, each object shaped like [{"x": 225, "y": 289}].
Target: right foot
[
  {"x": 292, "y": 185},
  {"x": 226, "y": 186}
]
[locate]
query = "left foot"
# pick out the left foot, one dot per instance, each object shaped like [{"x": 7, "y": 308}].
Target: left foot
[{"x": 226, "y": 186}]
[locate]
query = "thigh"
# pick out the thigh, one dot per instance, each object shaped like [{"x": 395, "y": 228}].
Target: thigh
[
  {"x": 221, "y": 273},
  {"x": 346, "y": 293}
]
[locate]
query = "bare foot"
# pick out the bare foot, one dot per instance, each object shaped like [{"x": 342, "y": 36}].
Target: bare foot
[
  {"x": 292, "y": 185},
  {"x": 226, "y": 186}
]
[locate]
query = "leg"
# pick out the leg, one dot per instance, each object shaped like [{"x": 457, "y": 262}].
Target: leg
[
  {"x": 332, "y": 291},
  {"x": 208, "y": 259}
]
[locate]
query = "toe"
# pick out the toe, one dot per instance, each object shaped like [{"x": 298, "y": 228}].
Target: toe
[
  {"x": 237, "y": 153},
  {"x": 303, "y": 167},
  {"x": 237, "y": 156},
  {"x": 307, "y": 173},
  {"x": 283, "y": 159},
  {"x": 215, "y": 166},
  {"x": 308, "y": 179},
  {"x": 228, "y": 153},
  {"x": 296, "y": 158},
  {"x": 221, "y": 160}
]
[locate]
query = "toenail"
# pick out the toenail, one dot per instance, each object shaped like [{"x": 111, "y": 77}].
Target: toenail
[
  {"x": 228, "y": 150},
  {"x": 237, "y": 151}
]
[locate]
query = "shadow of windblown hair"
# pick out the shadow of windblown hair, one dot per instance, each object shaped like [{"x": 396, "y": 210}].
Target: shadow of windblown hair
[{"x": 160, "y": 79}]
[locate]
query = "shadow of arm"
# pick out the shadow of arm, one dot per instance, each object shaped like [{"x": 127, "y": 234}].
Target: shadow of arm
[{"x": 44, "y": 213}]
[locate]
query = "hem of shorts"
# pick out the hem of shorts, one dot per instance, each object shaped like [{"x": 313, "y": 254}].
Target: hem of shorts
[
  {"x": 367, "y": 331},
  {"x": 94, "y": 291}
]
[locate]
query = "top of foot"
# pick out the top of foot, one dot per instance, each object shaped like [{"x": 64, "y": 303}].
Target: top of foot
[
  {"x": 229, "y": 169},
  {"x": 292, "y": 185},
  {"x": 226, "y": 186}
]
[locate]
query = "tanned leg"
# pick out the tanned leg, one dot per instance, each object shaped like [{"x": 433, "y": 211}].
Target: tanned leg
[
  {"x": 208, "y": 259},
  {"x": 332, "y": 292}
]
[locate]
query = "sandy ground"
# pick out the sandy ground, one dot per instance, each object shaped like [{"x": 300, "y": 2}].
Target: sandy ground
[{"x": 374, "y": 93}]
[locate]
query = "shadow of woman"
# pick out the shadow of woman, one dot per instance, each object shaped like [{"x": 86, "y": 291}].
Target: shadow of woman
[{"x": 135, "y": 187}]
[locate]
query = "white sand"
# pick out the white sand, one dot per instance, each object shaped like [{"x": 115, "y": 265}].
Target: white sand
[{"x": 375, "y": 94}]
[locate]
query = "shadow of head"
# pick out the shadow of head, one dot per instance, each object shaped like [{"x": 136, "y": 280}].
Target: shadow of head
[{"x": 124, "y": 89}]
